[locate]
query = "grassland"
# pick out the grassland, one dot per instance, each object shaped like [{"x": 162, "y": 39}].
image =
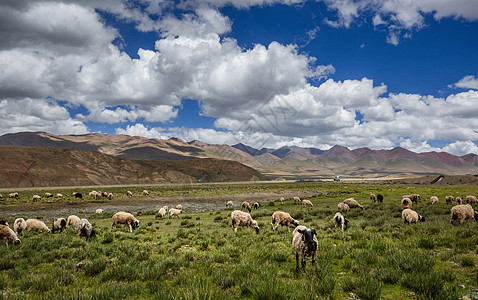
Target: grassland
[{"x": 199, "y": 257}]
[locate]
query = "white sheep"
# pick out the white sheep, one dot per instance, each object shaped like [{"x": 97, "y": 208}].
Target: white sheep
[
  {"x": 145, "y": 193},
  {"x": 20, "y": 226},
  {"x": 281, "y": 200},
  {"x": 240, "y": 218},
  {"x": 343, "y": 207},
  {"x": 99, "y": 211},
  {"x": 304, "y": 242},
  {"x": 174, "y": 212},
  {"x": 296, "y": 200},
  {"x": 110, "y": 196},
  {"x": 256, "y": 205},
  {"x": 406, "y": 203},
  {"x": 48, "y": 195},
  {"x": 373, "y": 198},
  {"x": 448, "y": 199},
  {"x": 433, "y": 199},
  {"x": 352, "y": 203},
  {"x": 7, "y": 234},
  {"x": 125, "y": 218},
  {"x": 463, "y": 212},
  {"x": 59, "y": 195},
  {"x": 72, "y": 220},
  {"x": 340, "y": 221},
  {"x": 36, "y": 197},
  {"x": 229, "y": 204},
  {"x": 58, "y": 224},
  {"x": 85, "y": 229},
  {"x": 36, "y": 225},
  {"x": 307, "y": 203},
  {"x": 283, "y": 219},
  {"x": 129, "y": 194},
  {"x": 13, "y": 195},
  {"x": 471, "y": 199},
  {"x": 246, "y": 205},
  {"x": 410, "y": 216},
  {"x": 163, "y": 210},
  {"x": 179, "y": 206},
  {"x": 94, "y": 194}
]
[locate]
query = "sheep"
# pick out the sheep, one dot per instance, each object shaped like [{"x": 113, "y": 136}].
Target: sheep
[
  {"x": 162, "y": 211},
  {"x": 283, "y": 219},
  {"x": 352, "y": 203},
  {"x": 94, "y": 194},
  {"x": 1, "y": 196},
  {"x": 110, "y": 196},
  {"x": 296, "y": 200},
  {"x": 99, "y": 211},
  {"x": 246, "y": 205},
  {"x": 229, "y": 204},
  {"x": 373, "y": 198},
  {"x": 463, "y": 212},
  {"x": 104, "y": 194},
  {"x": 125, "y": 218},
  {"x": 459, "y": 200},
  {"x": 145, "y": 193},
  {"x": 240, "y": 218},
  {"x": 20, "y": 226},
  {"x": 36, "y": 197},
  {"x": 471, "y": 199},
  {"x": 304, "y": 242},
  {"x": 448, "y": 199},
  {"x": 3, "y": 222},
  {"x": 256, "y": 205},
  {"x": 340, "y": 221},
  {"x": 406, "y": 203},
  {"x": 380, "y": 198},
  {"x": 77, "y": 195},
  {"x": 307, "y": 203},
  {"x": 48, "y": 195},
  {"x": 414, "y": 197},
  {"x": 84, "y": 228},
  {"x": 72, "y": 220},
  {"x": 281, "y": 200},
  {"x": 410, "y": 216},
  {"x": 343, "y": 207},
  {"x": 433, "y": 199},
  {"x": 174, "y": 212},
  {"x": 36, "y": 225},
  {"x": 13, "y": 195},
  {"x": 179, "y": 206},
  {"x": 59, "y": 224},
  {"x": 129, "y": 194},
  {"x": 59, "y": 195},
  {"x": 7, "y": 234}
]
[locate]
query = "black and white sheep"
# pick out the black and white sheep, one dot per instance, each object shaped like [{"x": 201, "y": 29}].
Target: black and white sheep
[
  {"x": 240, "y": 218},
  {"x": 85, "y": 229},
  {"x": 58, "y": 224},
  {"x": 48, "y": 195},
  {"x": 256, "y": 205},
  {"x": 36, "y": 198},
  {"x": 77, "y": 195},
  {"x": 246, "y": 206},
  {"x": 410, "y": 216},
  {"x": 414, "y": 197},
  {"x": 20, "y": 226},
  {"x": 340, "y": 221},
  {"x": 110, "y": 196},
  {"x": 463, "y": 212},
  {"x": 36, "y": 225},
  {"x": 304, "y": 242},
  {"x": 125, "y": 218},
  {"x": 13, "y": 195},
  {"x": 433, "y": 199},
  {"x": 352, "y": 203},
  {"x": 7, "y": 234},
  {"x": 283, "y": 219},
  {"x": 229, "y": 204},
  {"x": 129, "y": 194}
]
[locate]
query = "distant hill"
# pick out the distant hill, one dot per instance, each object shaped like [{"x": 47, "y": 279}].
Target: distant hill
[{"x": 289, "y": 162}]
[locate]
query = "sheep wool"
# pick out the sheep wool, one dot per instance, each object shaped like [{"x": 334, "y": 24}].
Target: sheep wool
[
  {"x": 296, "y": 200},
  {"x": 36, "y": 225},
  {"x": 246, "y": 206},
  {"x": 229, "y": 204},
  {"x": 340, "y": 221},
  {"x": 373, "y": 198},
  {"x": 459, "y": 200},
  {"x": 58, "y": 224},
  {"x": 174, "y": 212},
  {"x": 307, "y": 203},
  {"x": 99, "y": 211},
  {"x": 411, "y": 216},
  {"x": 20, "y": 226},
  {"x": 256, "y": 205},
  {"x": 36, "y": 198},
  {"x": 463, "y": 212},
  {"x": 304, "y": 242},
  {"x": 433, "y": 199},
  {"x": 283, "y": 219},
  {"x": 471, "y": 199},
  {"x": 406, "y": 203},
  {"x": 125, "y": 218},
  {"x": 179, "y": 206},
  {"x": 85, "y": 229},
  {"x": 449, "y": 199},
  {"x": 352, "y": 203},
  {"x": 72, "y": 220},
  {"x": 145, "y": 193},
  {"x": 7, "y": 234},
  {"x": 162, "y": 211},
  {"x": 281, "y": 200},
  {"x": 343, "y": 207},
  {"x": 240, "y": 218}
]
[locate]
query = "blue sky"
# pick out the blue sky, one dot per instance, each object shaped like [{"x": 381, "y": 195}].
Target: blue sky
[{"x": 369, "y": 73}]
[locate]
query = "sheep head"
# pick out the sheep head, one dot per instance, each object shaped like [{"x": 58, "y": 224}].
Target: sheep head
[
  {"x": 296, "y": 223},
  {"x": 421, "y": 218},
  {"x": 135, "y": 224},
  {"x": 308, "y": 238},
  {"x": 255, "y": 226}
]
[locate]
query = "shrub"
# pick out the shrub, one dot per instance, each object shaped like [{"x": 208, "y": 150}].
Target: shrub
[{"x": 95, "y": 267}]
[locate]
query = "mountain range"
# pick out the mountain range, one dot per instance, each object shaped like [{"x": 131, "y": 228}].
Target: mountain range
[{"x": 288, "y": 162}]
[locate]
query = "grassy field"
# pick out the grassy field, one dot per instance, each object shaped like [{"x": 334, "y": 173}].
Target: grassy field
[{"x": 199, "y": 256}]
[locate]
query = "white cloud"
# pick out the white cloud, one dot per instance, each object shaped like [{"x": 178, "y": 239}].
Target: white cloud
[
  {"x": 460, "y": 148},
  {"x": 140, "y": 130},
  {"x": 467, "y": 82}
]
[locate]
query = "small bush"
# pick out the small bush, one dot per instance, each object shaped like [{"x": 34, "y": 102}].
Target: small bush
[
  {"x": 467, "y": 261},
  {"x": 95, "y": 267}
]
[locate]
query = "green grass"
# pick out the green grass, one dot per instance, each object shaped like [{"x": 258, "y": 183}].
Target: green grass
[{"x": 199, "y": 256}]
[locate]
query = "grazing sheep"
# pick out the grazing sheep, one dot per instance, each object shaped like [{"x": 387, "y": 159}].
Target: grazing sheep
[
  {"x": 229, "y": 204},
  {"x": 380, "y": 198},
  {"x": 59, "y": 224},
  {"x": 433, "y": 199},
  {"x": 125, "y": 218},
  {"x": 104, "y": 194},
  {"x": 449, "y": 199},
  {"x": 163, "y": 210},
  {"x": 1, "y": 196},
  {"x": 343, "y": 207},
  {"x": 373, "y": 198},
  {"x": 179, "y": 206},
  {"x": 256, "y": 205},
  {"x": 240, "y": 218},
  {"x": 13, "y": 195},
  {"x": 414, "y": 197},
  {"x": 410, "y": 216},
  {"x": 36, "y": 197},
  {"x": 3, "y": 222},
  {"x": 99, "y": 211},
  {"x": 340, "y": 221},
  {"x": 352, "y": 203},
  {"x": 406, "y": 203},
  {"x": 296, "y": 200},
  {"x": 459, "y": 200},
  {"x": 7, "y": 234},
  {"x": 59, "y": 195},
  {"x": 174, "y": 212},
  {"x": 281, "y": 200},
  {"x": 72, "y": 220},
  {"x": 246, "y": 205},
  {"x": 110, "y": 196},
  {"x": 145, "y": 193},
  {"x": 77, "y": 195},
  {"x": 36, "y": 225},
  {"x": 304, "y": 242},
  {"x": 129, "y": 194},
  {"x": 307, "y": 203},
  {"x": 471, "y": 199},
  {"x": 94, "y": 194},
  {"x": 463, "y": 212},
  {"x": 283, "y": 219},
  {"x": 48, "y": 195},
  {"x": 84, "y": 228},
  {"x": 20, "y": 226}
]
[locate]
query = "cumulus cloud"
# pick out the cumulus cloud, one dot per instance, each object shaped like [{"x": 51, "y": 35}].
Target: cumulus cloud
[
  {"x": 460, "y": 148},
  {"x": 467, "y": 82}
]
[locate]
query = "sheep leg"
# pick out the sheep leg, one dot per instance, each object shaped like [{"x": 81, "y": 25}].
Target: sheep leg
[
  {"x": 303, "y": 263},
  {"x": 130, "y": 228},
  {"x": 297, "y": 262}
]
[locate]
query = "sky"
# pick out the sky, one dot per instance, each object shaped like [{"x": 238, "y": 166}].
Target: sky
[{"x": 266, "y": 73}]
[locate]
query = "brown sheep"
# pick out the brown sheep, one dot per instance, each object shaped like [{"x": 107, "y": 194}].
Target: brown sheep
[
  {"x": 283, "y": 219},
  {"x": 7, "y": 234},
  {"x": 449, "y": 199},
  {"x": 125, "y": 218},
  {"x": 343, "y": 207},
  {"x": 352, "y": 203},
  {"x": 471, "y": 199},
  {"x": 240, "y": 218},
  {"x": 296, "y": 200},
  {"x": 246, "y": 206}
]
